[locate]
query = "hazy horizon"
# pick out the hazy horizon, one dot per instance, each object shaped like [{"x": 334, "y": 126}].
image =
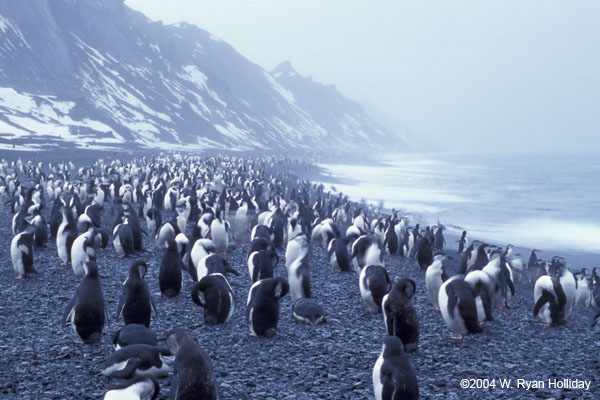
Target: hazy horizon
[{"x": 474, "y": 77}]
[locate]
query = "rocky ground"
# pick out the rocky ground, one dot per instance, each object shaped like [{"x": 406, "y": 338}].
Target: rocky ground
[{"x": 41, "y": 359}]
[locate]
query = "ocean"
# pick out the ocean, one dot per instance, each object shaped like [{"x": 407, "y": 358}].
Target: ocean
[{"x": 546, "y": 202}]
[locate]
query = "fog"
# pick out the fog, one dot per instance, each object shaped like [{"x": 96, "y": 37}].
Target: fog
[{"x": 493, "y": 76}]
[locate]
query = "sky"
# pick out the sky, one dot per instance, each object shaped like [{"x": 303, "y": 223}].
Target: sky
[{"x": 488, "y": 76}]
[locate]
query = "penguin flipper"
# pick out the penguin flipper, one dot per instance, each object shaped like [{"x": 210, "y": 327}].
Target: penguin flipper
[
  {"x": 452, "y": 300},
  {"x": 388, "y": 318},
  {"x": 468, "y": 312},
  {"x": 387, "y": 382},
  {"x": 69, "y": 309},
  {"x": 174, "y": 386},
  {"x": 231, "y": 270},
  {"x": 120, "y": 306},
  {"x": 546, "y": 297},
  {"x": 130, "y": 367}
]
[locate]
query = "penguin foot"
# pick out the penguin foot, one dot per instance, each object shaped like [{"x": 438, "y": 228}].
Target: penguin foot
[
  {"x": 20, "y": 276},
  {"x": 480, "y": 323},
  {"x": 437, "y": 308},
  {"x": 253, "y": 334},
  {"x": 498, "y": 306},
  {"x": 458, "y": 337},
  {"x": 373, "y": 310}
]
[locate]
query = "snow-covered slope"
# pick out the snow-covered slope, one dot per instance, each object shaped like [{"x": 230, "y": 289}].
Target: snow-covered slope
[{"x": 94, "y": 73}]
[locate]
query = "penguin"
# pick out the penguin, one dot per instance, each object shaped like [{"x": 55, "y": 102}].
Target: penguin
[
  {"x": 583, "y": 294},
  {"x": 482, "y": 286},
  {"x": 262, "y": 311},
  {"x": 463, "y": 242},
  {"x": 261, "y": 264},
  {"x": 134, "y": 334},
  {"x": 504, "y": 287},
  {"x": 214, "y": 294},
  {"x": 477, "y": 258},
  {"x": 65, "y": 235},
  {"x": 21, "y": 253},
  {"x": 259, "y": 244},
  {"x": 294, "y": 229},
  {"x": 260, "y": 231},
  {"x": 138, "y": 360},
  {"x": 123, "y": 239},
  {"x": 200, "y": 249},
  {"x": 438, "y": 238},
  {"x": 296, "y": 249},
  {"x": 41, "y": 231},
  {"x": 391, "y": 239},
  {"x": 86, "y": 311},
  {"x": 170, "y": 275},
  {"x": 193, "y": 376},
  {"x": 435, "y": 276},
  {"x": 166, "y": 232},
  {"x": 135, "y": 304},
  {"x": 299, "y": 277},
  {"x": 153, "y": 220},
  {"x": 458, "y": 308},
  {"x": 533, "y": 260},
  {"x": 393, "y": 376},
  {"x": 568, "y": 284},
  {"x": 550, "y": 300},
  {"x": 374, "y": 284},
  {"x": 399, "y": 313},
  {"x": 141, "y": 388},
  {"x": 425, "y": 252},
  {"x": 338, "y": 255},
  {"x": 213, "y": 263},
  {"x": 219, "y": 233},
  {"x": 366, "y": 251},
  {"x": 308, "y": 311},
  {"x": 83, "y": 250}
]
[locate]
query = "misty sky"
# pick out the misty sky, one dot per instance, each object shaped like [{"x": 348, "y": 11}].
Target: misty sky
[{"x": 492, "y": 75}]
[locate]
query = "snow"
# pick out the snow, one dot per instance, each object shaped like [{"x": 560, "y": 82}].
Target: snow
[
  {"x": 193, "y": 75},
  {"x": 6, "y": 24},
  {"x": 287, "y": 95}
]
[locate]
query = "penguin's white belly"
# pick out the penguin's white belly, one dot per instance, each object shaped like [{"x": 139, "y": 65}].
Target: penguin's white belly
[
  {"x": 480, "y": 310},
  {"x": 17, "y": 258},
  {"x": 365, "y": 292},
  {"x": 118, "y": 246},
  {"x": 219, "y": 236},
  {"x": 333, "y": 261},
  {"x": 292, "y": 253},
  {"x": 377, "y": 385},
  {"x": 433, "y": 283},
  {"x": 251, "y": 264},
  {"x": 201, "y": 270},
  {"x": 79, "y": 256},
  {"x": 455, "y": 323},
  {"x": 295, "y": 283},
  {"x": 568, "y": 285},
  {"x": 61, "y": 246}
]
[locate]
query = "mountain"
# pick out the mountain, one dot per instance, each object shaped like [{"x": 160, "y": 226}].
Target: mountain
[{"x": 97, "y": 74}]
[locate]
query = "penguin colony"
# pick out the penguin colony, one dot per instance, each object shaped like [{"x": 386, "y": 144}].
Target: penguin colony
[{"x": 195, "y": 210}]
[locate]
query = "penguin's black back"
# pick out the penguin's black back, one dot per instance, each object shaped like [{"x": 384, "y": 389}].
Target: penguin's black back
[
  {"x": 89, "y": 308},
  {"x": 137, "y": 308},
  {"x": 170, "y": 273},
  {"x": 398, "y": 376}
]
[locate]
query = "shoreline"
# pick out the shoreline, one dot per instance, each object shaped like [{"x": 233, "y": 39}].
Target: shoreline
[{"x": 576, "y": 259}]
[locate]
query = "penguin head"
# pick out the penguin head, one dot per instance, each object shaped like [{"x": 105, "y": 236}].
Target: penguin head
[
  {"x": 392, "y": 346},
  {"x": 138, "y": 269},
  {"x": 406, "y": 287},
  {"x": 176, "y": 338},
  {"x": 91, "y": 269}
]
